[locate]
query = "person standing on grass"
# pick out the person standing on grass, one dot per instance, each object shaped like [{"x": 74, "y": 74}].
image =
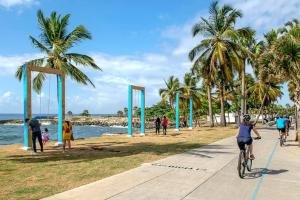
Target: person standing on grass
[
  {"x": 67, "y": 134},
  {"x": 157, "y": 125},
  {"x": 165, "y": 125},
  {"x": 35, "y": 127},
  {"x": 45, "y": 136}
]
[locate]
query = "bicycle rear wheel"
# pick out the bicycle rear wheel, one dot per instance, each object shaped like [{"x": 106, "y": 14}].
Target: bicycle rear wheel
[
  {"x": 241, "y": 164},
  {"x": 281, "y": 140}
]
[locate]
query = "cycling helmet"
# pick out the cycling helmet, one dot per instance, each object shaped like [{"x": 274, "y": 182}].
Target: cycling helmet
[{"x": 247, "y": 117}]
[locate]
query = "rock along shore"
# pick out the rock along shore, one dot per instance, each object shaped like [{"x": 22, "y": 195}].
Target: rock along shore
[{"x": 90, "y": 121}]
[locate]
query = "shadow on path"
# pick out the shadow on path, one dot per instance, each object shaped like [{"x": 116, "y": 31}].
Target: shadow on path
[{"x": 258, "y": 172}]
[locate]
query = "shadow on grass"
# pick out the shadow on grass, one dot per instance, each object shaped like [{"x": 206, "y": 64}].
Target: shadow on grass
[
  {"x": 95, "y": 151},
  {"x": 258, "y": 172}
]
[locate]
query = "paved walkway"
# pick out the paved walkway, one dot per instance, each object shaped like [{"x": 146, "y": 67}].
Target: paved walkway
[{"x": 207, "y": 173}]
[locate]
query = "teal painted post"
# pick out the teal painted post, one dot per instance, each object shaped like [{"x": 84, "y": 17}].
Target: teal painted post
[
  {"x": 129, "y": 112},
  {"x": 25, "y": 113},
  {"x": 177, "y": 111},
  {"x": 191, "y": 113},
  {"x": 60, "y": 110},
  {"x": 142, "y": 112}
]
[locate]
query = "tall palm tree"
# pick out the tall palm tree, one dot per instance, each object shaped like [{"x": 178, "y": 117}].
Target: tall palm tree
[
  {"x": 202, "y": 69},
  {"x": 169, "y": 92},
  {"x": 56, "y": 43},
  {"x": 249, "y": 44},
  {"x": 287, "y": 49},
  {"x": 219, "y": 46}
]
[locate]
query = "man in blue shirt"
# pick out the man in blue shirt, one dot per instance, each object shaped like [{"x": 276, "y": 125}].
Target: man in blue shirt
[
  {"x": 280, "y": 122},
  {"x": 35, "y": 126}
]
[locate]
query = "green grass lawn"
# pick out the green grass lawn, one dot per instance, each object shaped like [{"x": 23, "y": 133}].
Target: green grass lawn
[{"x": 26, "y": 176}]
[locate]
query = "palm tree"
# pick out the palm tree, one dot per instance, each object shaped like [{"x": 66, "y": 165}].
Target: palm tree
[
  {"x": 169, "y": 93},
  {"x": 56, "y": 43},
  {"x": 248, "y": 43},
  {"x": 202, "y": 69},
  {"x": 287, "y": 48},
  {"x": 219, "y": 46}
]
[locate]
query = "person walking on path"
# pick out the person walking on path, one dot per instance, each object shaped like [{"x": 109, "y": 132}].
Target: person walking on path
[
  {"x": 157, "y": 125},
  {"x": 35, "y": 126},
  {"x": 67, "y": 134},
  {"x": 165, "y": 125}
]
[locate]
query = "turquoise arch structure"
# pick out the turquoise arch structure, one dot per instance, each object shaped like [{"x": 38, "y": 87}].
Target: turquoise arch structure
[
  {"x": 129, "y": 112},
  {"x": 177, "y": 112},
  {"x": 26, "y": 111}
]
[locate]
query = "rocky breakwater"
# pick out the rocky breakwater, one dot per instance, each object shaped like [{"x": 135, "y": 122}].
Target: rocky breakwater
[
  {"x": 109, "y": 122},
  {"x": 91, "y": 121},
  {"x": 99, "y": 121}
]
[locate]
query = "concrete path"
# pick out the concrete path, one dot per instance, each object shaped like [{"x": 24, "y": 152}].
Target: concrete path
[{"x": 207, "y": 173}]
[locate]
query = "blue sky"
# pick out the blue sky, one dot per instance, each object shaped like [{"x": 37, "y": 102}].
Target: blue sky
[{"x": 134, "y": 42}]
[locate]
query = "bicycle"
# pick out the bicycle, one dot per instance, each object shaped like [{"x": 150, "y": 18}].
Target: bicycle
[
  {"x": 281, "y": 138},
  {"x": 244, "y": 161}
]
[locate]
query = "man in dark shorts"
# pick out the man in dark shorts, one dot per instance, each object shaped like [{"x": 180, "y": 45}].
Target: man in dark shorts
[{"x": 35, "y": 126}]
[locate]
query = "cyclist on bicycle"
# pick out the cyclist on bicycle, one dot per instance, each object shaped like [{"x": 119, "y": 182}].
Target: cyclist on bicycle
[
  {"x": 244, "y": 135},
  {"x": 280, "y": 122}
]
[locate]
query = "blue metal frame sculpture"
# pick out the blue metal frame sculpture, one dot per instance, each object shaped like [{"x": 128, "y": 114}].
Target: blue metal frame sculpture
[
  {"x": 27, "y": 100},
  {"x": 142, "y": 90}
]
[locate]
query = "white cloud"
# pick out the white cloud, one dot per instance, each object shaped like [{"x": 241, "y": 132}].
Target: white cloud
[
  {"x": 10, "y": 102},
  {"x": 12, "y": 3},
  {"x": 110, "y": 94},
  {"x": 267, "y": 14},
  {"x": 9, "y": 64}
]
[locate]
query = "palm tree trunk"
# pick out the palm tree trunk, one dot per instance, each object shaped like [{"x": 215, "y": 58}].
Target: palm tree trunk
[
  {"x": 261, "y": 108},
  {"x": 223, "y": 120},
  {"x": 243, "y": 90},
  {"x": 238, "y": 113},
  {"x": 297, "y": 121},
  {"x": 210, "y": 111}
]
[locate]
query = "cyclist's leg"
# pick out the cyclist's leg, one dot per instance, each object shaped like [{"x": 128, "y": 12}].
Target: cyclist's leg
[
  {"x": 283, "y": 132},
  {"x": 250, "y": 145},
  {"x": 241, "y": 144}
]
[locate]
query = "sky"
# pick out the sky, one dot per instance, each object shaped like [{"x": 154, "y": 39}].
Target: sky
[{"x": 134, "y": 42}]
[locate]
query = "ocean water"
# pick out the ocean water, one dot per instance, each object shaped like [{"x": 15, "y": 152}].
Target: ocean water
[{"x": 12, "y": 134}]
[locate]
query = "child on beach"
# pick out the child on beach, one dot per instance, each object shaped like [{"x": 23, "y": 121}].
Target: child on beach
[{"x": 45, "y": 136}]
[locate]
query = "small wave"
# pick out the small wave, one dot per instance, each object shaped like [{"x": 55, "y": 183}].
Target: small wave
[
  {"x": 46, "y": 123},
  {"x": 118, "y": 126},
  {"x": 111, "y": 134},
  {"x": 13, "y": 124}
]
